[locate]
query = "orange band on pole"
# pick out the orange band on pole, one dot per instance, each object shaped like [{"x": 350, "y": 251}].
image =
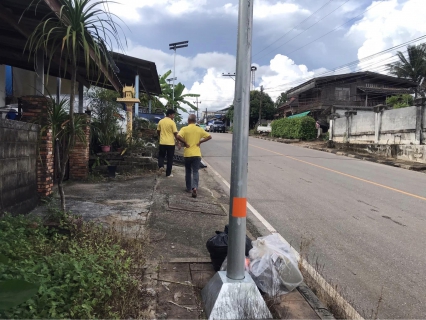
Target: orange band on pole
[{"x": 239, "y": 207}]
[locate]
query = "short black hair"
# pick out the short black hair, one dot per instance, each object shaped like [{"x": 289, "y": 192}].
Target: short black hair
[{"x": 170, "y": 111}]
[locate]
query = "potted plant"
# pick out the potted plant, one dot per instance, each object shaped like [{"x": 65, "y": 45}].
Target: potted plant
[
  {"x": 120, "y": 142},
  {"x": 105, "y": 139}
]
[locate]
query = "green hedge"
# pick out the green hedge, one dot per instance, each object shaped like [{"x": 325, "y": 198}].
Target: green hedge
[{"x": 297, "y": 128}]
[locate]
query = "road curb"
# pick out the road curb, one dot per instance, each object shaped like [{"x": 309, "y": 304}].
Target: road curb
[
  {"x": 315, "y": 303},
  {"x": 388, "y": 162},
  {"x": 323, "y": 285}
]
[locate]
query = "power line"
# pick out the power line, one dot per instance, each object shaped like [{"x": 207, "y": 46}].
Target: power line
[
  {"x": 336, "y": 28},
  {"x": 324, "y": 35},
  {"x": 292, "y": 29},
  {"x": 305, "y": 29},
  {"x": 355, "y": 62}
]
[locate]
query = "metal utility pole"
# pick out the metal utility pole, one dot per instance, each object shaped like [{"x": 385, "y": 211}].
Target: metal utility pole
[
  {"x": 174, "y": 46},
  {"x": 231, "y": 75},
  {"x": 260, "y": 106},
  {"x": 253, "y": 76},
  {"x": 234, "y": 295},
  {"x": 238, "y": 194},
  {"x": 197, "y": 102},
  {"x": 137, "y": 96}
]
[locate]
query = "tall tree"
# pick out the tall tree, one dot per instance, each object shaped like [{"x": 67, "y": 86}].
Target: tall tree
[
  {"x": 282, "y": 98},
  {"x": 268, "y": 108},
  {"x": 179, "y": 98},
  {"x": 80, "y": 31},
  {"x": 412, "y": 66}
]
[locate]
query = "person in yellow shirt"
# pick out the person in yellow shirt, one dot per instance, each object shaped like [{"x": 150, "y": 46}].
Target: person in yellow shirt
[
  {"x": 167, "y": 131},
  {"x": 192, "y": 136}
]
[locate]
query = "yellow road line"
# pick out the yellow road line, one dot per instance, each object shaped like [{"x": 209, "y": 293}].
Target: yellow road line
[{"x": 344, "y": 174}]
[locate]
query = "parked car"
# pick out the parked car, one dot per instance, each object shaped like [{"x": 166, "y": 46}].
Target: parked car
[
  {"x": 208, "y": 126},
  {"x": 264, "y": 129},
  {"x": 217, "y": 126}
]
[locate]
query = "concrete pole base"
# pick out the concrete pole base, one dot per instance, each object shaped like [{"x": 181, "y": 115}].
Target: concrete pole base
[{"x": 224, "y": 298}]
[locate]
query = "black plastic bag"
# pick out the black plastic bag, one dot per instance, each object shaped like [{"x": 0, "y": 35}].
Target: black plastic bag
[
  {"x": 218, "y": 248},
  {"x": 248, "y": 241}
]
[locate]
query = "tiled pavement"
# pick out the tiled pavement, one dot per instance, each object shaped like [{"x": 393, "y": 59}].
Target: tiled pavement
[{"x": 180, "y": 266}]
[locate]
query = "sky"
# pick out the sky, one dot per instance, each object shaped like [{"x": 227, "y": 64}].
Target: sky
[{"x": 293, "y": 40}]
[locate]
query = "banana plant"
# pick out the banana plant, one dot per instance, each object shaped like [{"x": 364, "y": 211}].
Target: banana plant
[{"x": 179, "y": 98}]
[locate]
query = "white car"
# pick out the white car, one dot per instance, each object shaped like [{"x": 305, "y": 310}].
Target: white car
[{"x": 264, "y": 129}]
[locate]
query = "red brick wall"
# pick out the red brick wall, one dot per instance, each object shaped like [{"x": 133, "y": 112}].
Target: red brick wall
[
  {"x": 79, "y": 155},
  {"x": 35, "y": 107}
]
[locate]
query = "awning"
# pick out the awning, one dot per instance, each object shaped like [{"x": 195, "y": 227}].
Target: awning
[
  {"x": 386, "y": 91},
  {"x": 16, "y": 25},
  {"x": 299, "y": 115}
]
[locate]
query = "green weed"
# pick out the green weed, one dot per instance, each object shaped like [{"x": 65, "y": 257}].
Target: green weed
[{"x": 85, "y": 273}]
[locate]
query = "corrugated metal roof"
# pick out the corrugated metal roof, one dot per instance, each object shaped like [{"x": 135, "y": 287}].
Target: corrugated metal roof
[{"x": 299, "y": 115}]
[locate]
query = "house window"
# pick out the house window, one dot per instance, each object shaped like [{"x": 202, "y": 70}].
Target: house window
[{"x": 342, "y": 93}]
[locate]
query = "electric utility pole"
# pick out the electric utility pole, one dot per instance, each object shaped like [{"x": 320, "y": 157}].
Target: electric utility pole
[
  {"x": 223, "y": 294},
  {"x": 231, "y": 75},
  {"x": 197, "y": 102},
  {"x": 260, "y": 106}
]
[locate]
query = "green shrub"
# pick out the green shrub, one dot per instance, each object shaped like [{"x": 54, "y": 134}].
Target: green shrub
[
  {"x": 85, "y": 273},
  {"x": 294, "y": 128}
]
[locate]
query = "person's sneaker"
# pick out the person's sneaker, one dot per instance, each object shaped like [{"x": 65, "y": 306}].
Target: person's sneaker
[
  {"x": 160, "y": 170},
  {"x": 194, "y": 193},
  {"x": 170, "y": 176}
]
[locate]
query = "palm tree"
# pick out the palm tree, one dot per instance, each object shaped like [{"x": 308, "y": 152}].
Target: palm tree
[
  {"x": 412, "y": 66},
  {"x": 81, "y": 31},
  {"x": 179, "y": 97}
]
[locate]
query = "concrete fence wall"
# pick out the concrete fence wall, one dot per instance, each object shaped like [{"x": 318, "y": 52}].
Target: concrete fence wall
[
  {"x": 402, "y": 129},
  {"x": 18, "y": 166},
  {"x": 396, "y": 126}
]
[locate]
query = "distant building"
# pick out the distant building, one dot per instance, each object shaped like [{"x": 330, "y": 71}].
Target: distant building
[{"x": 362, "y": 89}]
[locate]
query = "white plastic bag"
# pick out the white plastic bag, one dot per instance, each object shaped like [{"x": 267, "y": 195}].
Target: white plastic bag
[{"x": 273, "y": 266}]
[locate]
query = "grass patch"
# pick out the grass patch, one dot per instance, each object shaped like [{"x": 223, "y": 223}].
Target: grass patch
[{"x": 83, "y": 270}]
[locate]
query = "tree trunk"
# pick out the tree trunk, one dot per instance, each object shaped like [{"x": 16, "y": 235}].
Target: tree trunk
[
  {"x": 61, "y": 175},
  {"x": 72, "y": 99}
]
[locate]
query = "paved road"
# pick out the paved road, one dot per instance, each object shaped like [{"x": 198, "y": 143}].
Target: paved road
[{"x": 367, "y": 220}]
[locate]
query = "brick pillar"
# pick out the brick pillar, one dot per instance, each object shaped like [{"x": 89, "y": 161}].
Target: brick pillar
[
  {"x": 45, "y": 165},
  {"x": 34, "y": 107},
  {"x": 79, "y": 155}
]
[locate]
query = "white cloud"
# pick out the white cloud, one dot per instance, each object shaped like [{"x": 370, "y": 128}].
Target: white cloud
[
  {"x": 282, "y": 74},
  {"x": 202, "y": 74},
  {"x": 265, "y": 10},
  {"x": 386, "y": 25},
  {"x": 130, "y": 10}
]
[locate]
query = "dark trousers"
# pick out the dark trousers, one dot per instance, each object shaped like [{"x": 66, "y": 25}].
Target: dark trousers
[
  {"x": 163, "y": 152},
  {"x": 192, "y": 164}
]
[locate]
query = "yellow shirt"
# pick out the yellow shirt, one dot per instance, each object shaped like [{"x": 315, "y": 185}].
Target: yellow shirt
[
  {"x": 192, "y": 135},
  {"x": 167, "y": 129}
]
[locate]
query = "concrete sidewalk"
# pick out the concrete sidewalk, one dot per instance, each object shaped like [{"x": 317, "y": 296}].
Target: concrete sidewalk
[{"x": 179, "y": 227}]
